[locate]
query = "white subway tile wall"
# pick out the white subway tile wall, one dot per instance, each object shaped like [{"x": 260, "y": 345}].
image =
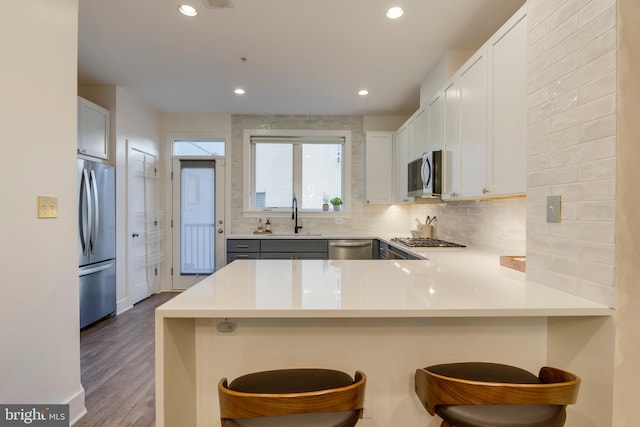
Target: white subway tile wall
[
  {"x": 572, "y": 103},
  {"x": 497, "y": 226}
]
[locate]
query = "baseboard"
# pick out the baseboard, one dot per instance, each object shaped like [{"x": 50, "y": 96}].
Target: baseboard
[
  {"x": 77, "y": 409},
  {"x": 123, "y": 305}
]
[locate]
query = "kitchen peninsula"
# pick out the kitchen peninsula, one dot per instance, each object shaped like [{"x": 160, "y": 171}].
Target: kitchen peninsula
[{"x": 384, "y": 317}]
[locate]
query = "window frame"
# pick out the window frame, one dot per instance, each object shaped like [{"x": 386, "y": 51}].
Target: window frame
[
  {"x": 249, "y": 171},
  {"x": 175, "y": 140}
]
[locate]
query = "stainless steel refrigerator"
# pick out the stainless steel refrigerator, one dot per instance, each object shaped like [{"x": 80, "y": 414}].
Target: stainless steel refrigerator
[{"x": 96, "y": 240}]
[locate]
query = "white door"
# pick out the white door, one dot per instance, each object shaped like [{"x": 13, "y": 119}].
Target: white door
[
  {"x": 144, "y": 225},
  {"x": 198, "y": 220}
]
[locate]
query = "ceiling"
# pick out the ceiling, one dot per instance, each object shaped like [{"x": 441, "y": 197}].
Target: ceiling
[{"x": 303, "y": 56}]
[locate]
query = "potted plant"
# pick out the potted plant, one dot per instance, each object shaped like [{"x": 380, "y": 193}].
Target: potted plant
[
  {"x": 336, "y": 202},
  {"x": 325, "y": 202}
]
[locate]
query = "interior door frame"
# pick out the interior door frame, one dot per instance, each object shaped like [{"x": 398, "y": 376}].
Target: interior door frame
[
  {"x": 220, "y": 214},
  {"x": 223, "y": 132}
]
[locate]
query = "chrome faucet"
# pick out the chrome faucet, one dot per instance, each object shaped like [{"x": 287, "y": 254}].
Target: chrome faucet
[{"x": 294, "y": 214}]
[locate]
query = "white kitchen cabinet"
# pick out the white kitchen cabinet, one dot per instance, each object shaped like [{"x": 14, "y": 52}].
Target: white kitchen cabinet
[
  {"x": 379, "y": 167},
  {"x": 93, "y": 129},
  {"x": 417, "y": 131},
  {"x": 465, "y": 131},
  {"x": 472, "y": 91},
  {"x": 485, "y": 119},
  {"x": 412, "y": 141},
  {"x": 435, "y": 127},
  {"x": 451, "y": 148},
  {"x": 420, "y": 135},
  {"x": 403, "y": 138},
  {"x": 507, "y": 161}
]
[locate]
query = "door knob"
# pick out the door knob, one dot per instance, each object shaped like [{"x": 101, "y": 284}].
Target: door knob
[
  {"x": 220, "y": 230},
  {"x": 135, "y": 235}
]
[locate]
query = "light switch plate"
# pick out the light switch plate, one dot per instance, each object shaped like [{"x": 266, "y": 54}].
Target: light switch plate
[
  {"x": 47, "y": 207},
  {"x": 553, "y": 208}
]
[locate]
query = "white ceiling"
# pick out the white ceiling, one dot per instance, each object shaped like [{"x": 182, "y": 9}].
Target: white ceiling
[{"x": 303, "y": 56}]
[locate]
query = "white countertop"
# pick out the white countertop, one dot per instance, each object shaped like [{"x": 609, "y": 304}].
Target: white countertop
[{"x": 450, "y": 284}]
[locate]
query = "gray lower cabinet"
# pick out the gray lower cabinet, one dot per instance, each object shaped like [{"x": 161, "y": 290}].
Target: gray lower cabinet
[
  {"x": 242, "y": 249},
  {"x": 276, "y": 249},
  {"x": 293, "y": 255},
  {"x": 231, "y": 256}
]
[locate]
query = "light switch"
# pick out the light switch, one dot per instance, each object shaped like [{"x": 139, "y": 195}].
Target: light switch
[
  {"x": 47, "y": 207},
  {"x": 553, "y": 208}
]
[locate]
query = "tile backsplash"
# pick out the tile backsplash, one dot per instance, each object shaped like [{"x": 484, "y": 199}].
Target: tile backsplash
[{"x": 497, "y": 226}]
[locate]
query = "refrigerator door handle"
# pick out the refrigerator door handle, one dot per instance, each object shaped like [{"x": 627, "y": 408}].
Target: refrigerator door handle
[
  {"x": 96, "y": 217},
  {"x": 85, "y": 225},
  {"x": 85, "y": 272}
]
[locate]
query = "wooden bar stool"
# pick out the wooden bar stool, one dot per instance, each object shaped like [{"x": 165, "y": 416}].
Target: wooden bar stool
[
  {"x": 479, "y": 394},
  {"x": 292, "y": 398}
]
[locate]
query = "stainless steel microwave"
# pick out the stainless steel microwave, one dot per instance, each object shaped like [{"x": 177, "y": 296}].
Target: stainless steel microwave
[{"x": 425, "y": 175}]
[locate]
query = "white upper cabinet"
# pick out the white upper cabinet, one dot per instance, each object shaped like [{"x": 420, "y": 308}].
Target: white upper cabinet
[
  {"x": 485, "y": 118},
  {"x": 403, "y": 138},
  {"x": 412, "y": 141},
  {"x": 451, "y": 148},
  {"x": 93, "y": 129},
  {"x": 435, "y": 127},
  {"x": 507, "y": 54},
  {"x": 421, "y": 133},
  {"x": 379, "y": 167},
  {"x": 472, "y": 90}
]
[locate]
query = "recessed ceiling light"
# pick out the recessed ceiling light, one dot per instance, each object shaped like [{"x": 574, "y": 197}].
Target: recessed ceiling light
[
  {"x": 239, "y": 91},
  {"x": 363, "y": 92},
  {"x": 395, "y": 12},
  {"x": 187, "y": 10}
]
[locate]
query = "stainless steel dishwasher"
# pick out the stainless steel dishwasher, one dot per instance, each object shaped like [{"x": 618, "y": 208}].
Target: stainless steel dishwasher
[{"x": 351, "y": 249}]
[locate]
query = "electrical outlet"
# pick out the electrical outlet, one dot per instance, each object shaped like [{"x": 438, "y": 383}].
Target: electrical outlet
[
  {"x": 226, "y": 326},
  {"x": 554, "y": 207}
]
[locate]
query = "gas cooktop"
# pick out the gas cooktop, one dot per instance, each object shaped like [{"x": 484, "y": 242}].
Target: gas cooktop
[{"x": 424, "y": 242}]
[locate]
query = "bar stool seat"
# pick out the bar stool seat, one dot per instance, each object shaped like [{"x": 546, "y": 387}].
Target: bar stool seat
[
  {"x": 292, "y": 398},
  {"x": 476, "y": 394}
]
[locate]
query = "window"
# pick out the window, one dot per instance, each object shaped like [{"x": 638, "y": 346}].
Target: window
[
  {"x": 198, "y": 148},
  {"x": 310, "y": 164}
]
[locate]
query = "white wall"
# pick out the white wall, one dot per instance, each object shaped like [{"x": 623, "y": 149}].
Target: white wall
[
  {"x": 572, "y": 101},
  {"x": 40, "y": 356},
  {"x": 136, "y": 124},
  {"x": 441, "y": 72},
  {"x": 572, "y": 145},
  {"x": 627, "y": 374},
  {"x": 383, "y": 123}
]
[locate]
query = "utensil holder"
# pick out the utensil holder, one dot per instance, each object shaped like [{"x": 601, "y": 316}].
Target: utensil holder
[{"x": 426, "y": 231}]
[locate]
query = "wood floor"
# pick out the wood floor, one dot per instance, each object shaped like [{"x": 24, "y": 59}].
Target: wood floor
[{"x": 117, "y": 360}]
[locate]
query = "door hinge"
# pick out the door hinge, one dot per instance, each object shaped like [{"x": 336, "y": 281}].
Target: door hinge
[
  {"x": 171, "y": 223},
  {"x": 172, "y": 271},
  {"x": 172, "y": 175}
]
